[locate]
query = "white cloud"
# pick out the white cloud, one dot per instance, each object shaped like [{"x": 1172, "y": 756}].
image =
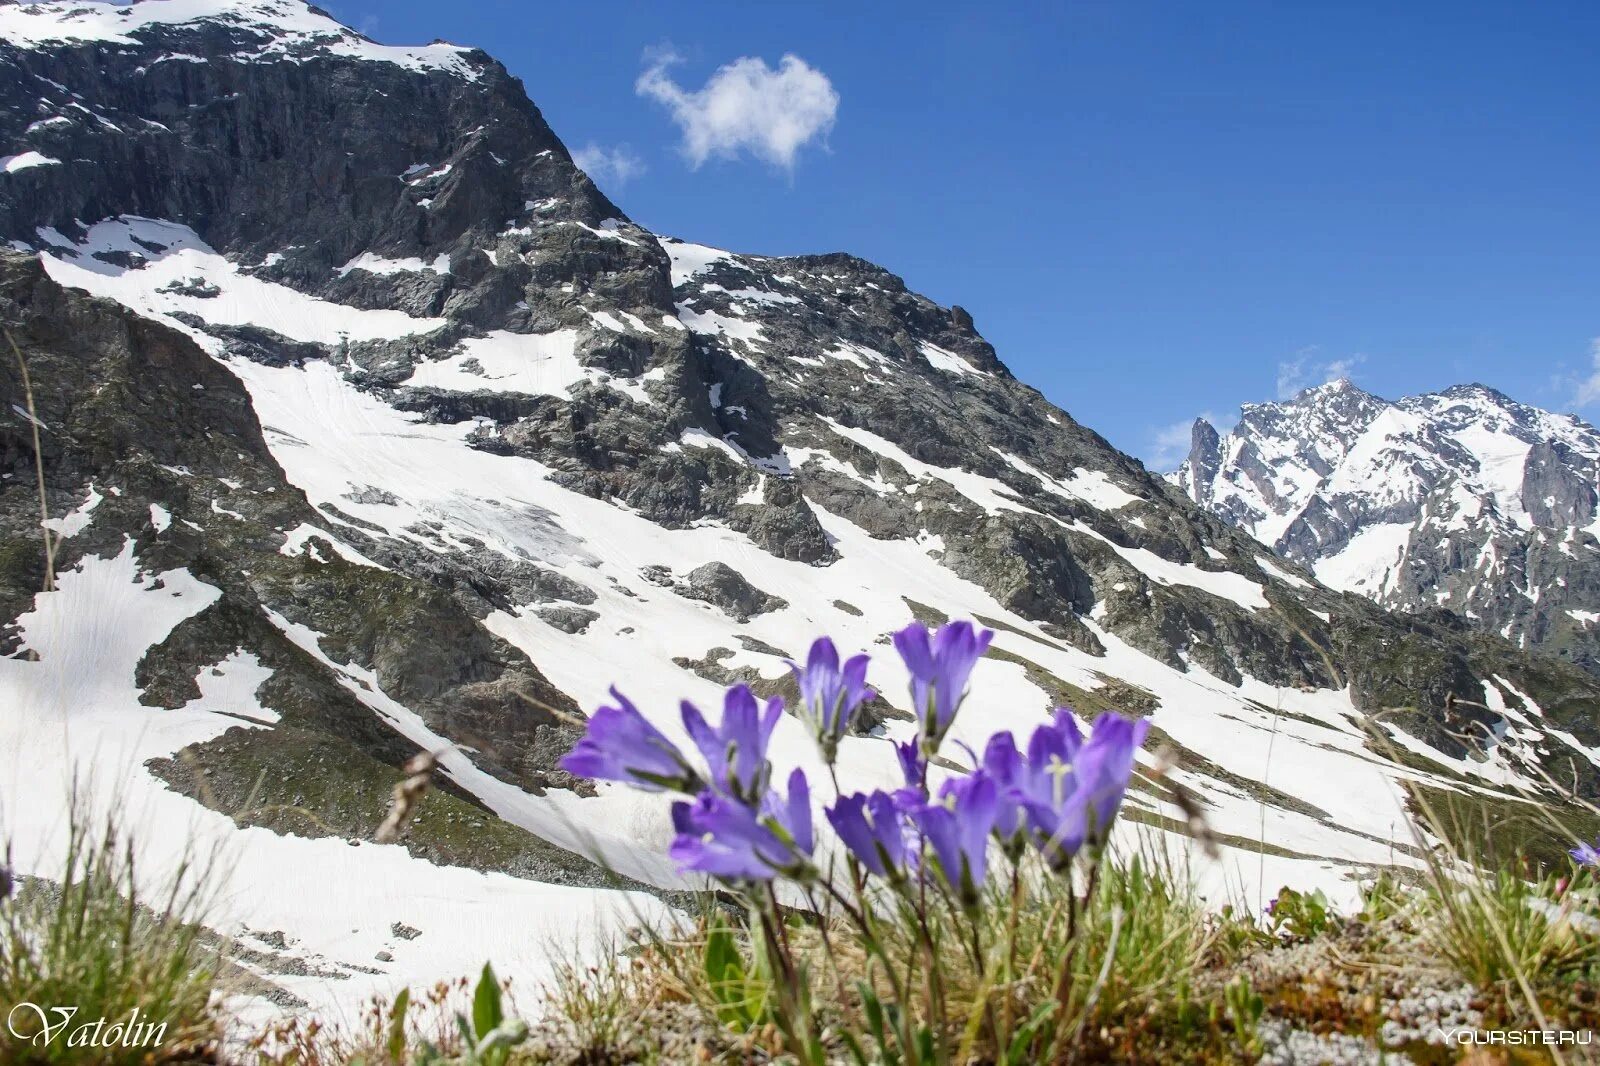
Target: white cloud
[
  {"x": 746, "y": 106},
  {"x": 613, "y": 166},
  {"x": 1306, "y": 369},
  {"x": 1342, "y": 368},
  {"x": 1292, "y": 373},
  {"x": 1589, "y": 387}
]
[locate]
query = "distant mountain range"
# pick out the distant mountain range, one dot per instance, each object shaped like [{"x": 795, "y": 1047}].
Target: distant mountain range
[{"x": 1462, "y": 499}]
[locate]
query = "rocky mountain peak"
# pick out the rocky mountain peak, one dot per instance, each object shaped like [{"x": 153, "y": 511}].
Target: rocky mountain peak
[
  {"x": 1463, "y": 498},
  {"x": 1198, "y": 472},
  {"x": 1338, "y": 403}
]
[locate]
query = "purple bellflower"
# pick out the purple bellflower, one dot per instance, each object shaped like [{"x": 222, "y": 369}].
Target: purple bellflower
[
  {"x": 1053, "y": 747},
  {"x": 1586, "y": 855},
  {"x": 914, "y": 768},
  {"x": 736, "y": 750},
  {"x": 732, "y": 842},
  {"x": 830, "y": 694},
  {"x": 1075, "y": 787},
  {"x": 939, "y": 666},
  {"x": 1004, "y": 764},
  {"x": 1105, "y": 766},
  {"x": 620, "y": 744},
  {"x": 957, "y": 826},
  {"x": 873, "y": 828}
]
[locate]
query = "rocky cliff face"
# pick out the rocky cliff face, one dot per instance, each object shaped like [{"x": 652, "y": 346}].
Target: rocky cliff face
[
  {"x": 438, "y": 444},
  {"x": 1464, "y": 500}
]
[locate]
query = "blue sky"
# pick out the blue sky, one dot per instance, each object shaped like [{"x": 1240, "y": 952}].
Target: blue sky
[{"x": 1151, "y": 209}]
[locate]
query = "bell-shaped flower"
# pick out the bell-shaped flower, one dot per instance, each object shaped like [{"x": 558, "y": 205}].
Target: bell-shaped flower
[
  {"x": 1072, "y": 802},
  {"x": 830, "y": 694},
  {"x": 1052, "y": 748},
  {"x": 913, "y": 768},
  {"x": 1105, "y": 766},
  {"x": 873, "y": 828},
  {"x": 1586, "y": 855},
  {"x": 736, "y": 750},
  {"x": 733, "y": 842},
  {"x": 1003, "y": 763},
  {"x": 620, "y": 744},
  {"x": 940, "y": 666},
  {"x": 956, "y": 826}
]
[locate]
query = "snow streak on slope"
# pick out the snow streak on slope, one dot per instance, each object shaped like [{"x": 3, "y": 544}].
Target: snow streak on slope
[
  {"x": 345, "y": 439},
  {"x": 168, "y": 255},
  {"x": 75, "y": 713}
]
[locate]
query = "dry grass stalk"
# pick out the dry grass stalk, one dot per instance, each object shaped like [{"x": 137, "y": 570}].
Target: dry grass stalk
[
  {"x": 1194, "y": 815},
  {"x": 408, "y": 795},
  {"x": 38, "y": 465}
]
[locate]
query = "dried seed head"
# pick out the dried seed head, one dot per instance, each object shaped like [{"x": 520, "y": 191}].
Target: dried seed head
[
  {"x": 423, "y": 762},
  {"x": 407, "y": 796},
  {"x": 1166, "y": 761},
  {"x": 1198, "y": 827}
]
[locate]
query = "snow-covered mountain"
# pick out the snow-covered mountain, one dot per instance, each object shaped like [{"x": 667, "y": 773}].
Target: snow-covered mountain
[
  {"x": 1463, "y": 499},
  {"x": 369, "y": 424}
]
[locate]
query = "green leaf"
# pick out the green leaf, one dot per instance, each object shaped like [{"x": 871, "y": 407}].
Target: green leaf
[
  {"x": 873, "y": 1008},
  {"x": 723, "y": 963},
  {"x": 1018, "y": 1053},
  {"x": 468, "y": 1040},
  {"x": 486, "y": 1012},
  {"x": 858, "y": 1054},
  {"x": 494, "y": 1047},
  {"x": 740, "y": 994},
  {"x": 396, "y": 1044}
]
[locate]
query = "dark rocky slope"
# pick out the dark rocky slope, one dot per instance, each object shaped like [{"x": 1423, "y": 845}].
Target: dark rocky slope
[{"x": 133, "y": 415}]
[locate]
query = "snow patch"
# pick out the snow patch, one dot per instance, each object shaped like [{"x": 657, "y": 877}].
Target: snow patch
[
  {"x": 946, "y": 360},
  {"x": 1223, "y": 583},
  {"x": 243, "y": 298},
  {"x": 1370, "y": 563},
  {"x": 1093, "y": 487},
  {"x": 690, "y": 259},
  {"x": 10, "y": 164},
  {"x": 538, "y": 364},
  {"x": 1272, "y": 569},
  {"x": 373, "y": 263},
  {"x": 709, "y": 322},
  {"x": 78, "y": 519}
]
